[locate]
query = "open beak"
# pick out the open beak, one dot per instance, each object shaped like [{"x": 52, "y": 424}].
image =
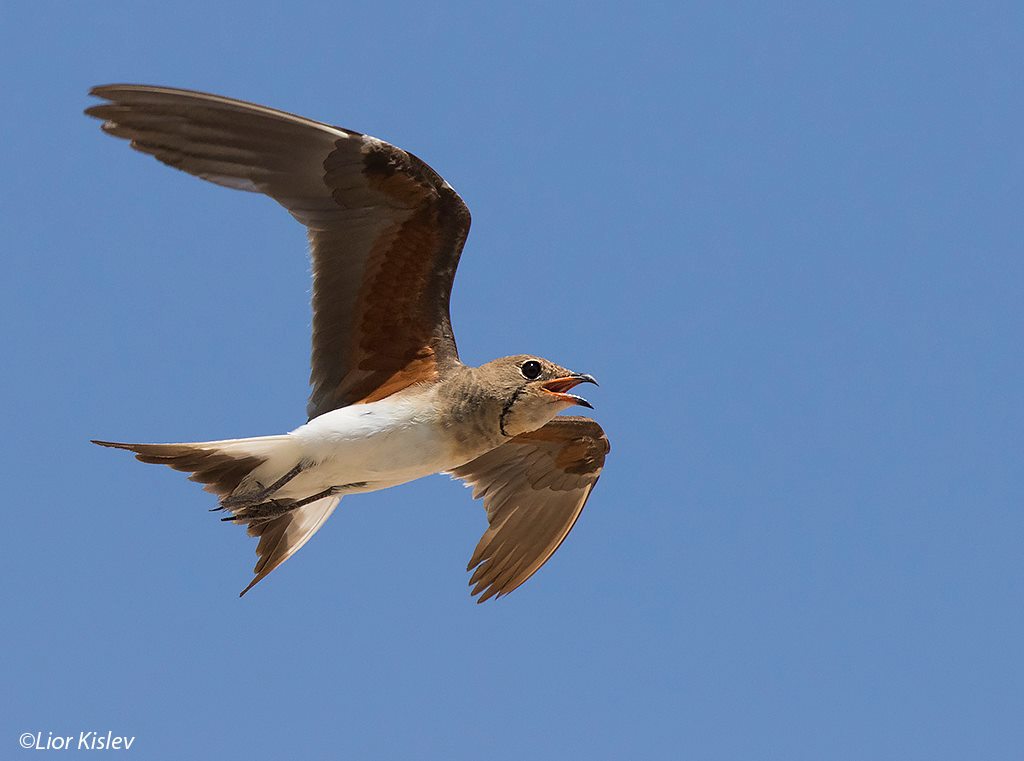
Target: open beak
[{"x": 559, "y": 386}]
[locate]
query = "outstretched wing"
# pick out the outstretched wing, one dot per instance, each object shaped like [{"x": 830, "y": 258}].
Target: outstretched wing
[
  {"x": 534, "y": 488},
  {"x": 386, "y": 230}
]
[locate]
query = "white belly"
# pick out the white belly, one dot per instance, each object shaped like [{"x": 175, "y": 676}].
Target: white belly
[{"x": 370, "y": 446}]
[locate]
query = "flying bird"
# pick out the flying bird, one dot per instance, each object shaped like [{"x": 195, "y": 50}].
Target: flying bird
[{"x": 390, "y": 400}]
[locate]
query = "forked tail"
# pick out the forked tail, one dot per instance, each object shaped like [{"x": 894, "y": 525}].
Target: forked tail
[{"x": 224, "y": 466}]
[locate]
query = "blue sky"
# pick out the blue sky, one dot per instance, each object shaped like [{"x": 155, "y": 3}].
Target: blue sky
[{"x": 787, "y": 240}]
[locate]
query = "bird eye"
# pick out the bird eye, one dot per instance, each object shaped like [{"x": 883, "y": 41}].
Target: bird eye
[{"x": 530, "y": 369}]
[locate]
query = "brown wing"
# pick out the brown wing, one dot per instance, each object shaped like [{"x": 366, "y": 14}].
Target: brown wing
[
  {"x": 534, "y": 488},
  {"x": 386, "y": 230}
]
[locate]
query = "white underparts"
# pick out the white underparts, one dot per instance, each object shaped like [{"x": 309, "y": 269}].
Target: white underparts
[{"x": 363, "y": 447}]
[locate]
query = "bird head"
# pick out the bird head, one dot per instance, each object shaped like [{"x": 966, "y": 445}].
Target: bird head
[{"x": 532, "y": 391}]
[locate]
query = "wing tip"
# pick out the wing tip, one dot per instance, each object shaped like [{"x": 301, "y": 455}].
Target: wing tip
[{"x": 490, "y": 593}]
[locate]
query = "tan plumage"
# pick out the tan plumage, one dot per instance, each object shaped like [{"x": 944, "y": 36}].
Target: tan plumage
[{"x": 386, "y": 233}]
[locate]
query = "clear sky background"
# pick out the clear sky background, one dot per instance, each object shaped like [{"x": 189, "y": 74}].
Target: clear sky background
[{"x": 786, "y": 237}]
